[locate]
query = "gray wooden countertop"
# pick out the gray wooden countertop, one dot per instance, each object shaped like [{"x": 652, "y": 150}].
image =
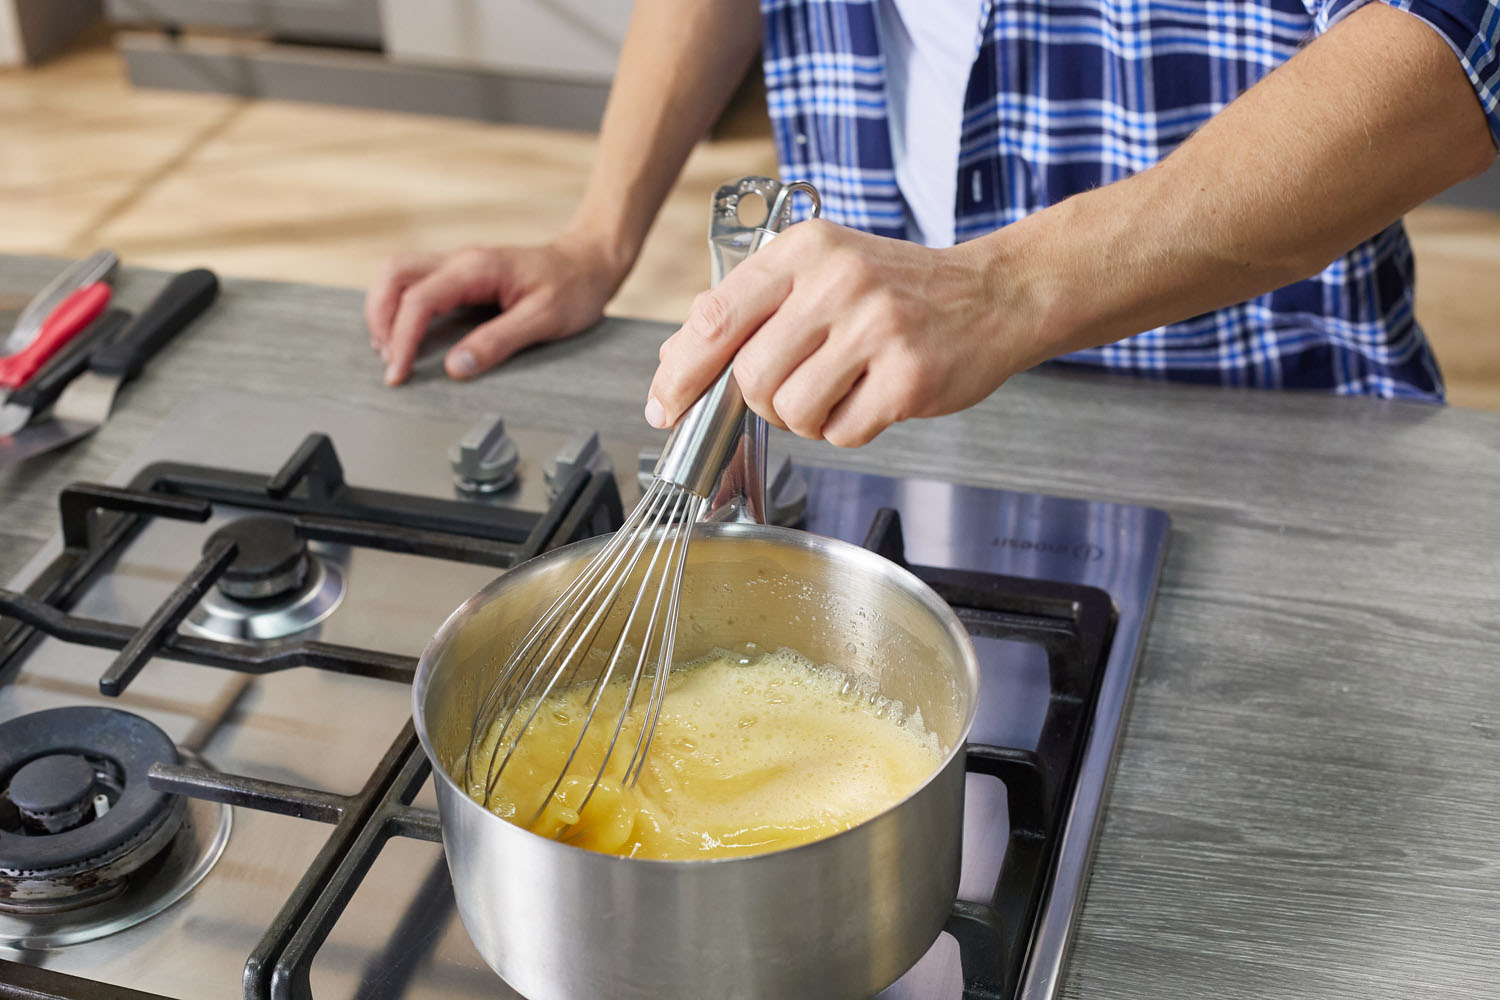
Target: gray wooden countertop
[{"x": 1308, "y": 798}]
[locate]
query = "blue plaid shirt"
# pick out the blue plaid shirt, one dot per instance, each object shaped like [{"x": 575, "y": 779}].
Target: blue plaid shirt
[{"x": 1066, "y": 95}]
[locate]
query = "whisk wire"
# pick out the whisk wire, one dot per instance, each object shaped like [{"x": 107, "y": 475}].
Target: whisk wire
[
  {"x": 685, "y": 512},
  {"x": 673, "y": 588},
  {"x": 606, "y": 577},
  {"x": 501, "y": 691},
  {"x": 672, "y": 506}
]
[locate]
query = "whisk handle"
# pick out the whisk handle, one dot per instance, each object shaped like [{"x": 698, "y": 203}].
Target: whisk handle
[{"x": 705, "y": 438}]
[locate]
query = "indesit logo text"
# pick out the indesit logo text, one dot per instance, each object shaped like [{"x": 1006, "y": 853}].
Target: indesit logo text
[{"x": 1082, "y": 551}]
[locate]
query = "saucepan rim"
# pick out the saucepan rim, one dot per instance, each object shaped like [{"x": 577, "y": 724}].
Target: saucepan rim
[{"x": 821, "y": 544}]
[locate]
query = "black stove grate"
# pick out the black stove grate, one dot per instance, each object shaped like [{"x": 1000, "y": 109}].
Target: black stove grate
[
  {"x": 1073, "y": 624},
  {"x": 98, "y": 522}
]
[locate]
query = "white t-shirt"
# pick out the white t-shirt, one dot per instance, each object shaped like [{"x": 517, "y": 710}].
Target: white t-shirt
[{"x": 929, "y": 48}]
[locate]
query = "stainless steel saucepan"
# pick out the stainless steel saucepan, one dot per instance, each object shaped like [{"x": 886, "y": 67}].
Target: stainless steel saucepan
[{"x": 840, "y": 917}]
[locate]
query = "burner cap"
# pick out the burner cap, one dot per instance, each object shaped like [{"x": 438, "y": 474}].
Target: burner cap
[
  {"x": 56, "y": 848},
  {"x": 271, "y": 561},
  {"x": 54, "y": 792}
]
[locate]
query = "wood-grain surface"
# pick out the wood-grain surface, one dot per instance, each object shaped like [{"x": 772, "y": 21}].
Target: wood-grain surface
[{"x": 1308, "y": 797}]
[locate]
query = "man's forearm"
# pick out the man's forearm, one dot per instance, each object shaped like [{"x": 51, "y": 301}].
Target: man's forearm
[
  {"x": 681, "y": 61},
  {"x": 1367, "y": 122}
]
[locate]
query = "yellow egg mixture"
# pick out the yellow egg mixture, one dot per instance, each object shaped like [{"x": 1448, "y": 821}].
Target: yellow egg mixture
[{"x": 751, "y": 754}]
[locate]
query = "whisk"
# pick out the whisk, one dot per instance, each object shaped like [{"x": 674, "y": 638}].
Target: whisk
[{"x": 650, "y": 551}]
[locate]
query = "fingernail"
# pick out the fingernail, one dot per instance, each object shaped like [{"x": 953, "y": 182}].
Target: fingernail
[
  {"x": 655, "y": 415},
  {"x": 461, "y": 364},
  {"x": 390, "y": 374},
  {"x": 385, "y": 354}
]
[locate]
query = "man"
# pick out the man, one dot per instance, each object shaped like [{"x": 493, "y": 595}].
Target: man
[{"x": 1132, "y": 187}]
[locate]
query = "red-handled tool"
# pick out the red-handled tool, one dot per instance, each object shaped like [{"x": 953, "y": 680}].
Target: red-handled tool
[{"x": 64, "y": 323}]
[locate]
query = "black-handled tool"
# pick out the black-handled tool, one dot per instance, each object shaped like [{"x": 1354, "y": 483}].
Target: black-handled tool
[
  {"x": 184, "y": 298},
  {"x": 53, "y": 377},
  {"x": 88, "y": 398}
]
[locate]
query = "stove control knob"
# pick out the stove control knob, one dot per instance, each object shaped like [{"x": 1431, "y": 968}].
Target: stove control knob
[
  {"x": 582, "y": 451},
  {"x": 645, "y": 466},
  {"x": 485, "y": 459},
  {"x": 786, "y": 496}
]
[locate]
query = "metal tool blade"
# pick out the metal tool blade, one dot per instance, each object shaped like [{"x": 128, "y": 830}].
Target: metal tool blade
[
  {"x": 13, "y": 416},
  {"x": 83, "y": 406},
  {"x": 88, "y": 398},
  {"x": 44, "y": 435}
]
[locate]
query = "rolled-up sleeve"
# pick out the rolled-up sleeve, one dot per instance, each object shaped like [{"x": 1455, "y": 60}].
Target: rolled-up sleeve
[{"x": 1470, "y": 27}]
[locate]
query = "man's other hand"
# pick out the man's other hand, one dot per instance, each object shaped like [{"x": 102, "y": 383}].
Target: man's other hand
[{"x": 544, "y": 293}]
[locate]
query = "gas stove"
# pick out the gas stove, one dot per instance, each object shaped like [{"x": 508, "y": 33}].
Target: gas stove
[{"x": 227, "y": 798}]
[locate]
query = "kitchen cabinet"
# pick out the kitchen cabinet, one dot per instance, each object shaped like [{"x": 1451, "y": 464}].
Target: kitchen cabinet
[
  {"x": 345, "y": 21},
  {"x": 572, "y": 39},
  {"x": 528, "y": 62}
]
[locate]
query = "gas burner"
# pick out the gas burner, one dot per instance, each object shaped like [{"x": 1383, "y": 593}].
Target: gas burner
[
  {"x": 63, "y": 791},
  {"x": 155, "y": 886},
  {"x": 77, "y": 815},
  {"x": 275, "y": 587},
  {"x": 271, "y": 560},
  {"x": 87, "y": 847}
]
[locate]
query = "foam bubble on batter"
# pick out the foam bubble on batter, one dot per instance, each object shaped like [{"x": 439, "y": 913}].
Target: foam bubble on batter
[{"x": 751, "y": 753}]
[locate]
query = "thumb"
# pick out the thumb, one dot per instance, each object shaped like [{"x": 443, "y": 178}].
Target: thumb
[{"x": 493, "y": 341}]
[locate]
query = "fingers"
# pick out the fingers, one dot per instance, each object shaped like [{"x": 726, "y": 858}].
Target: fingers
[
  {"x": 396, "y": 274},
  {"x": 782, "y": 343},
  {"x": 860, "y": 415},
  {"x": 451, "y": 285},
  {"x": 545, "y": 293},
  {"x": 806, "y": 398},
  {"x": 488, "y": 344},
  {"x": 719, "y": 322}
]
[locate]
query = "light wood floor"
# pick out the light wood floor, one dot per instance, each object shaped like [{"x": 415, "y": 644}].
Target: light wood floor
[{"x": 311, "y": 193}]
